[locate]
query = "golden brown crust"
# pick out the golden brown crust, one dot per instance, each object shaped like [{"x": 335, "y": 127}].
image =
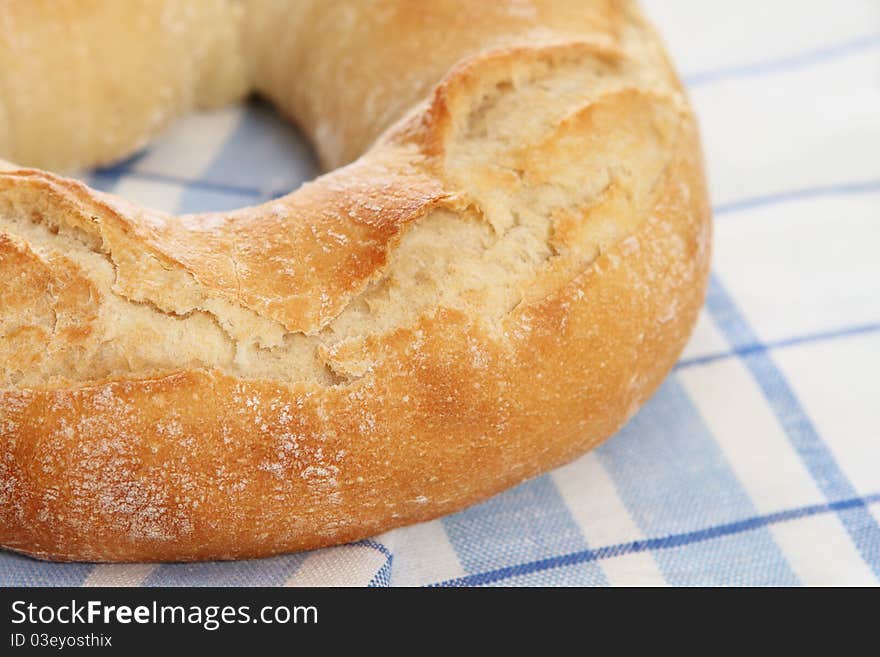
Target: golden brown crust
[{"x": 590, "y": 231}]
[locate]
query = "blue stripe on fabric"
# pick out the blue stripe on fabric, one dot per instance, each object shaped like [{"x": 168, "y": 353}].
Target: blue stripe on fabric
[
  {"x": 257, "y": 572},
  {"x": 523, "y": 524},
  {"x": 862, "y": 329},
  {"x": 382, "y": 577},
  {"x": 782, "y": 64},
  {"x": 818, "y": 459},
  {"x": 19, "y": 570},
  {"x": 561, "y": 576},
  {"x": 264, "y": 154},
  {"x": 103, "y": 182},
  {"x": 672, "y": 476},
  {"x": 672, "y": 541},
  {"x": 840, "y": 189},
  {"x": 120, "y": 168}
]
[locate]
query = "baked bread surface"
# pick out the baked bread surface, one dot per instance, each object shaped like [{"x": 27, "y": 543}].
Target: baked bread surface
[{"x": 502, "y": 268}]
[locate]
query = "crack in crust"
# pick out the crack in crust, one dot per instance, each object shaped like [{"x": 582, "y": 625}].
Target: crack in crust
[{"x": 511, "y": 222}]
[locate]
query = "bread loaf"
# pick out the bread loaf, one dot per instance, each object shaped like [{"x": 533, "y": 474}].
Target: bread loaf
[{"x": 503, "y": 262}]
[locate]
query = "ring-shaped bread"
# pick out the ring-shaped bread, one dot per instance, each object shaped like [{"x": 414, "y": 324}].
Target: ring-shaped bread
[{"x": 505, "y": 268}]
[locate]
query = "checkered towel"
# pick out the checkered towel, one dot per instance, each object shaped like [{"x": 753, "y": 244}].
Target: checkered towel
[{"x": 758, "y": 461}]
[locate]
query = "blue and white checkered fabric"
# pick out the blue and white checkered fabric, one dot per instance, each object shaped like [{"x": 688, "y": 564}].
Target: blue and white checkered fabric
[{"x": 758, "y": 461}]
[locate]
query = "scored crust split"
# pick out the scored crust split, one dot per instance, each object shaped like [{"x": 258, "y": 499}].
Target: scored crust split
[{"x": 503, "y": 268}]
